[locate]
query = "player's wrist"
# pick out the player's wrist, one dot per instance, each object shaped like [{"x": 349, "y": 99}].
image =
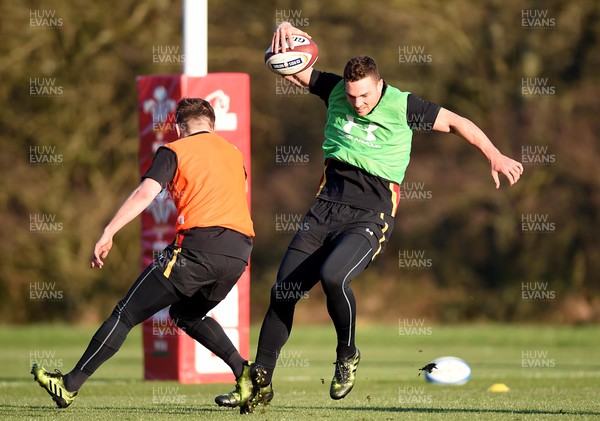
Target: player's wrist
[{"x": 108, "y": 232}]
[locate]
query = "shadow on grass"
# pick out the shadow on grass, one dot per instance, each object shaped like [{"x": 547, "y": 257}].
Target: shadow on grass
[
  {"x": 445, "y": 410},
  {"x": 196, "y": 409},
  {"x": 150, "y": 409}
]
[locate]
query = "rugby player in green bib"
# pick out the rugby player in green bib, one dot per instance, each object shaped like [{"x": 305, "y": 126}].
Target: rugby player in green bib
[{"x": 367, "y": 147}]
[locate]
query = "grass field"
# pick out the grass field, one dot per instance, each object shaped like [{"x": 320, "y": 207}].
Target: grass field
[{"x": 560, "y": 380}]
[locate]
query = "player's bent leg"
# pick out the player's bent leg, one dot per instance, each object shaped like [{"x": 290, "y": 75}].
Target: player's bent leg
[
  {"x": 210, "y": 334},
  {"x": 215, "y": 281},
  {"x": 298, "y": 273},
  {"x": 150, "y": 293},
  {"x": 351, "y": 255},
  {"x": 190, "y": 316}
]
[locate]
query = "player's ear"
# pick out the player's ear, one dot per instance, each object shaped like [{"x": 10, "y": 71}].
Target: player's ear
[
  {"x": 178, "y": 129},
  {"x": 380, "y": 85}
]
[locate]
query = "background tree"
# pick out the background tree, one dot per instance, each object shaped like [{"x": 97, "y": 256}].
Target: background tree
[{"x": 482, "y": 61}]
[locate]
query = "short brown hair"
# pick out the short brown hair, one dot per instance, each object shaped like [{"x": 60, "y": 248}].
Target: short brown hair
[
  {"x": 189, "y": 109},
  {"x": 360, "y": 67}
]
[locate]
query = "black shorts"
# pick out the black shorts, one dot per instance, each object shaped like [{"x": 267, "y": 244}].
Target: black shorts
[
  {"x": 325, "y": 221},
  {"x": 191, "y": 271}
]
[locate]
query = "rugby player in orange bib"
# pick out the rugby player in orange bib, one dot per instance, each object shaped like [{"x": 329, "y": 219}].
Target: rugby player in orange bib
[{"x": 206, "y": 178}]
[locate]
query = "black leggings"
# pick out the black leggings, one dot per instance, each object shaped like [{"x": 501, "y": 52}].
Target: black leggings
[
  {"x": 152, "y": 292},
  {"x": 335, "y": 265}
]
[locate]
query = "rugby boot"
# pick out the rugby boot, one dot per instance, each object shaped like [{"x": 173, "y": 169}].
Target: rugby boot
[
  {"x": 344, "y": 376},
  {"x": 263, "y": 393},
  {"x": 243, "y": 390},
  {"x": 54, "y": 384}
]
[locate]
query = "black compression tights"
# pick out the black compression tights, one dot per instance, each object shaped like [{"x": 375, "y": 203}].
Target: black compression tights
[
  {"x": 150, "y": 293},
  {"x": 335, "y": 267}
]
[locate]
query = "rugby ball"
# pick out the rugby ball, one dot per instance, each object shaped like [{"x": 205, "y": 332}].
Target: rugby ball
[
  {"x": 449, "y": 371},
  {"x": 304, "y": 55}
]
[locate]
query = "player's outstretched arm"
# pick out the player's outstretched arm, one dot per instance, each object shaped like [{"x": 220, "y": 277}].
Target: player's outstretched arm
[
  {"x": 139, "y": 200},
  {"x": 286, "y": 31},
  {"x": 447, "y": 121}
]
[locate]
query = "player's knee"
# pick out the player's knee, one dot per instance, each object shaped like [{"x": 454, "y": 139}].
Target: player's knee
[
  {"x": 332, "y": 278},
  {"x": 121, "y": 313},
  {"x": 181, "y": 322}
]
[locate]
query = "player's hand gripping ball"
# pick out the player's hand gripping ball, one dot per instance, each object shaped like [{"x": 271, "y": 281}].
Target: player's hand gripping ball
[{"x": 304, "y": 55}]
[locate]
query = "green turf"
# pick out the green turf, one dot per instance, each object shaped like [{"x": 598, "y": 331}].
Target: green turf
[{"x": 388, "y": 385}]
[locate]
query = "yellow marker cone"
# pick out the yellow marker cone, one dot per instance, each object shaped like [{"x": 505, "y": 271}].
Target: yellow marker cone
[{"x": 498, "y": 387}]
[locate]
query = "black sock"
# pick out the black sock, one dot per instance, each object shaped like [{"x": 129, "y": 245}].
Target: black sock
[
  {"x": 268, "y": 377},
  {"x": 75, "y": 379},
  {"x": 345, "y": 351},
  {"x": 345, "y": 345}
]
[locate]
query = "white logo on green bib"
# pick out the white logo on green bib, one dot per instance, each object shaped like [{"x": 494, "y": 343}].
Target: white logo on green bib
[{"x": 369, "y": 129}]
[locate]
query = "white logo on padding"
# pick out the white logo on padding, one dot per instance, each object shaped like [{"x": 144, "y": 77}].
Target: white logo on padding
[
  {"x": 161, "y": 208},
  {"x": 160, "y": 106},
  {"x": 224, "y": 120},
  {"x": 369, "y": 129}
]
